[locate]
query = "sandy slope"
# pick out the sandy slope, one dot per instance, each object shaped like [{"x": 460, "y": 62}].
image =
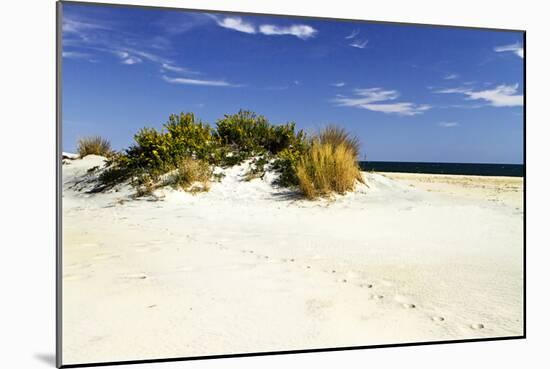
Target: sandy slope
[{"x": 248, "y": 267}]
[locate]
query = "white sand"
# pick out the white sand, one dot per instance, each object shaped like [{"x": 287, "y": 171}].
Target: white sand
[{"x": 248, "y": 267}]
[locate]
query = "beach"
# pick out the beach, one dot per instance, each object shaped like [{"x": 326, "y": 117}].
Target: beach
[{"x": 250, "y": 267}]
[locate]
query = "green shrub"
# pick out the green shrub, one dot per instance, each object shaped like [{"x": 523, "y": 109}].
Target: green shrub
[
  {"x": 94, "y": 145},
  {"x": 253, "y": 134},
  {"x": 286, "y": 162},
  {"x": 155, "y": 153}
]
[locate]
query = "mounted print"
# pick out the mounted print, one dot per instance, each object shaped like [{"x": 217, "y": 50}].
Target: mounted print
[{"x": 241, "y": 184}]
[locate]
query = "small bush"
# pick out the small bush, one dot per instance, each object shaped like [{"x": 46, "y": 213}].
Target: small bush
[
  {"x": 286, "y": 163},
  {"x": 329, "y": 165},
  {"x": 94, "y": 145},
  {"x": 252, "y": 134}
]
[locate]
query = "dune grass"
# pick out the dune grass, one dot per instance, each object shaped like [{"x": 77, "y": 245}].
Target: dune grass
[
  {"x": 94, "y": 145},
  {"x": 329, "y": 165},
  {"x": 192, "y": 175},
  {"x": 336, "y": 136}
]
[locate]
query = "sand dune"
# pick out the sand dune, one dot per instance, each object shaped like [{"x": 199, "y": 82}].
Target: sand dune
[{"x": 250, "y": 267}]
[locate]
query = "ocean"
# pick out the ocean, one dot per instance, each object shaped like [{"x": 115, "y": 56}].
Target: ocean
[{"x": 506, "y": 170}]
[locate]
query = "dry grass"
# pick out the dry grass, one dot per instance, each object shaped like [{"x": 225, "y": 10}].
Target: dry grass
[
  {"x": 330, "y": 164},
  {"x": 192, "y": 175},
  {"x": 336, "y": 136},
  {"x": 94, "y": 145}
]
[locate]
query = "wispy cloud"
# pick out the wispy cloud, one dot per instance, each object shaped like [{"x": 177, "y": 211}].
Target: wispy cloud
[
  {"x": 448, "y": 124},
  {"x": 377, "y": 99},
  {"x": 500, "y": 96},
  {"x": 451, "y": 76},
  {"x": 359, "y": 44},
  {"x": 77, "y": 26},
  {"x": 128, "y": 59},
  {"x": 87, "y": 35},
  {"x": 236, "y": 24},
  {"x": 338, "y": 84},
  {"x": 514, "y": 48},
  {"x": 176, "y": 69},
  {"x": 197, "y": 82},
  {"x": 75, "y": 55},
  {"x": 301, "y": 31},
  {"x": 353, "y": 33}
]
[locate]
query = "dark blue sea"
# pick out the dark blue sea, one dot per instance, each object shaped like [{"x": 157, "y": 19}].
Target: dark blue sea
[{"x": 507, "y": 170}]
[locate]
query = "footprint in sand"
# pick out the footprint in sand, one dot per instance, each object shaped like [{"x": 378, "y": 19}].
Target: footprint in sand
[
  {"x": 377, "y": 297},
  {"x": 365, "y": 285},
  {"x": 438, "y": 318},
  {"x": 409, "y": 306},
  {"x": 477, "y": 326}
]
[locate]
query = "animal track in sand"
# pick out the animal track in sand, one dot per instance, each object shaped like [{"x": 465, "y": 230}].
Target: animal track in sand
[
  {"x": 438, "y": 318},
  {"x": 367, "y": 285},
  {"x": 409, "y": 306},
  {"x": 477, "y": 326}
]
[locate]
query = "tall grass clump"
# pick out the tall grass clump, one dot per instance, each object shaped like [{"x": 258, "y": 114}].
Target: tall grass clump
[
  {"x": 191, "y": 175},
  {"x": 336, "y": 136},
  {"x": 94, "y": 145},
  {"x": 329, "y": 165}
]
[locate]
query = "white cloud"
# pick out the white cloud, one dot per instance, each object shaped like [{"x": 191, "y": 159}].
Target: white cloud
[
  {"x": 75, "y": 55},
  {"x": 76, "y": 26},
  {"x": 376, "y": 99},
  {"x": 198, "y": 82},
  {"x": 451, "y": 76},
  {"x": 515, "y": 48},
  {"x": 301, "y": 31},
  {"x": 177, "y": 69},
  {"x": 131, "y": 60},
  {"x": 127, "y": 58},
  {"x": 448, "y": 124},
  {"x": 408, "y": 109},
  {"x": 500, "y": 96},
  {"x": 338, "y": 84},
  {"x": 359, "y": 44},
  {"x": 236, "y": 24},
  {"x": 353, "y": 33}
]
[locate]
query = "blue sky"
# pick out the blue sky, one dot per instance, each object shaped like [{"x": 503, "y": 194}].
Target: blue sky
[{"x": 410, "y": 93}]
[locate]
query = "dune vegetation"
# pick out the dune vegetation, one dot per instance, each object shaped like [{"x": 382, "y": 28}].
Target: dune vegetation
[
  {"x": 94, "y": 145},
  {"x": 184, "y": 152}
]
